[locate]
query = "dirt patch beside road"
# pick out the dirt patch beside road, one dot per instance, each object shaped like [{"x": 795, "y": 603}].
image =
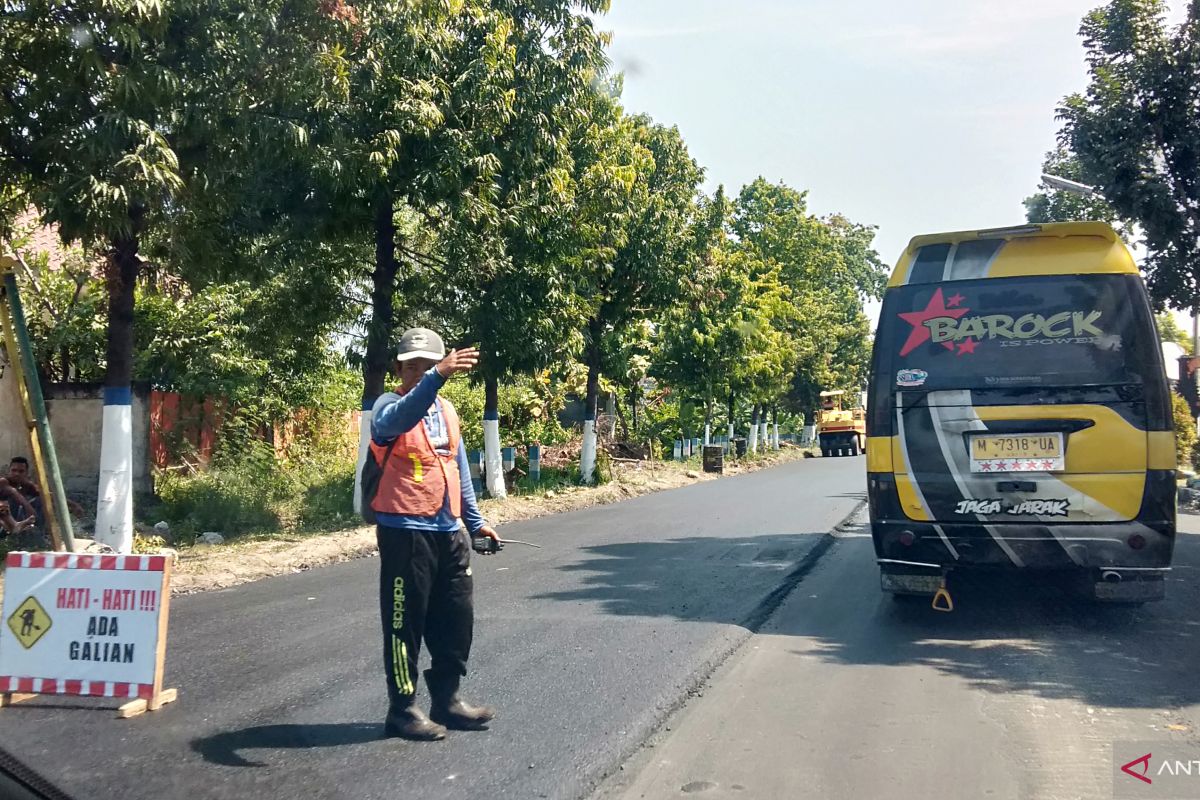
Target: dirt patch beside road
[{"x": 206, "y": 567}]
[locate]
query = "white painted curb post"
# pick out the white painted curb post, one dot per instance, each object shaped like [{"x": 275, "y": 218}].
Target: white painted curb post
[
  {"x": 493, "y": 471},
  {"x": 364, "y": 447},
  {"x": 587, "y": 457},
  {"x": 114, "y": 503}
]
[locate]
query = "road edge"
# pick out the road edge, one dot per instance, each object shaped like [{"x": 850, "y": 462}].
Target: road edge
[{"x": 615, "y": 779}]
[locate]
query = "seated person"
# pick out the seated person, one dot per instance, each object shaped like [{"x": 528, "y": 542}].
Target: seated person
[
  {"x": 10, "y": 497},
  {"x": 18, "y": 476}
]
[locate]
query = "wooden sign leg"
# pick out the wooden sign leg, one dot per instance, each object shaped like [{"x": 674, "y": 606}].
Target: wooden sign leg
[
  {"x": 161, "y": 696},
  {"x": 11, "y": 699},
  {"x": 140, "y": 706}
]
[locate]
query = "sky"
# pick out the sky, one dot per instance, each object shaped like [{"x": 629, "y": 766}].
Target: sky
[{"x": 915, "y": 116}]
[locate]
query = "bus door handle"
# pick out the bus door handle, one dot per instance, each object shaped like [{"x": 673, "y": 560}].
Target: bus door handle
[{"x": 1016, "y": 486}]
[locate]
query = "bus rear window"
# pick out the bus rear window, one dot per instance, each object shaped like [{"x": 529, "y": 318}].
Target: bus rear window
[{"x": 1061, "y": 330}]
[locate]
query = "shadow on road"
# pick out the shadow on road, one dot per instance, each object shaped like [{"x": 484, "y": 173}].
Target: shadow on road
[
  {"x": 1016, "y": 633},
  {"x": 1009, "y": 633},
  {"x": 224, "y": 748},
  {"x": 695, "y": 579}
]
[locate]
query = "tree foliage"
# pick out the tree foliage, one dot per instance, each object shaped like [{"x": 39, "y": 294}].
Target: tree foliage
[
  {"x": 1136, "y": 133},
  {"x": 253, "y": 182}
]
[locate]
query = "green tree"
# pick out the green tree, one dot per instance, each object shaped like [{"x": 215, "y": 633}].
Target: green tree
[
  {"x": 637, "y": 198},
  {"x": 88, "y": 97},
  {"x": 1136, "y": 134},
  {"x": 1169, "y": 331},
  {"x": 704, "y": 337},
  {"x": 517, "y": 297},
  {"x": 828, "y": 268}
]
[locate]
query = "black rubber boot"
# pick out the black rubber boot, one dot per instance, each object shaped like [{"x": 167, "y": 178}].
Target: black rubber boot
[
  {"x": 451, "y": 710},
  {"x": 407, "y": 721}
]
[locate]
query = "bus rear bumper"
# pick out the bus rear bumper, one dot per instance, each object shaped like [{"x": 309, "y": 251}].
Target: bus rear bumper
[
  {"x": 1111, "y": 562},
  {"x": 1129, "y": 546}
]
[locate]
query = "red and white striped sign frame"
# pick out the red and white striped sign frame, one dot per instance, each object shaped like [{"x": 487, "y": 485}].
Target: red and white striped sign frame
[
  {"x": 10, "y": 685},
  {"x": 78, "y": 561},
  {"x": 150, "y": 692}
]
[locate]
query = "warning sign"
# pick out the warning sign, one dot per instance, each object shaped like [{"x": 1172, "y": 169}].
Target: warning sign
[
  {"x": 84, "y": 624},
  {"x": 29, "y": 622}
]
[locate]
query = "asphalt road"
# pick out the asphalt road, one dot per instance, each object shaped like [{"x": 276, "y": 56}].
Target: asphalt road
[
  {"x": 1020, "y": 693},
  {"x": 586, "y": 646}
]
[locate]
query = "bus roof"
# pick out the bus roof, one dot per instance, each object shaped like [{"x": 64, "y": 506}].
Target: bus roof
[{"x": 1054, "y": 248}]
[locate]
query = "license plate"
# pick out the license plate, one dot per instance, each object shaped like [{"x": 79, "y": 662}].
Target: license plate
[{"x": 1037, "y": 452}]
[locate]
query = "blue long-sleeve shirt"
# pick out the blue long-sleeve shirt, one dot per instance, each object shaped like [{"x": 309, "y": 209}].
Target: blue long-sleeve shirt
[{"x": 395, "y": 414}]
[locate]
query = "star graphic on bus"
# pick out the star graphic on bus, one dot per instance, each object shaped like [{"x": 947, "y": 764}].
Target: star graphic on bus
[
  {"x": 920, "y": 333},
  {"x": 955, "y": 300},
  {"x": 967, "y": 346}
]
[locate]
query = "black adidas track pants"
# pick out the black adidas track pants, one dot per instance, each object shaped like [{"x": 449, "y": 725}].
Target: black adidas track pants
[{"x": 425, "y": 592}]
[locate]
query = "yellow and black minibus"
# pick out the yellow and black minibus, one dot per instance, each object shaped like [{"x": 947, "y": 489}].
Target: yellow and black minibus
[{"x": 1019, "y": 415}]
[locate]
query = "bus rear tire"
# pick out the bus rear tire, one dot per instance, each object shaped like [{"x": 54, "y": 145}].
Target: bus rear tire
[{"x": 854, "y": 447}]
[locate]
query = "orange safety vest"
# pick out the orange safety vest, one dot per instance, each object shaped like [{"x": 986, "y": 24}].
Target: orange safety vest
[{"x": 416, "y": 479}]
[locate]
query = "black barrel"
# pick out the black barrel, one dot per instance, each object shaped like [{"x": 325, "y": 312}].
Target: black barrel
[
  {"x": 739, "y": 446},
  {"x": 714, "y": 458}
]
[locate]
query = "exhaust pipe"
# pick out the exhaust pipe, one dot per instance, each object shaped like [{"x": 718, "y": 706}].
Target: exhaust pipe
[{"x": 1109, "y": 576}]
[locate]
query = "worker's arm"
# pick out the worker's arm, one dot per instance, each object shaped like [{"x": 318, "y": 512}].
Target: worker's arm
[
  {"x": 20, "y": 498},
  {"x": 395, "y": 415}
]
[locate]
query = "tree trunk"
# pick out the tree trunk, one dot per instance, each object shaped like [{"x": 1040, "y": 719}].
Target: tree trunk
[
  {"x": 121, "y": 277},
  {"x": 587, "y": 459},
  {"x": 493, "y": 461},
  {"x": 732, "y": 421},
  {"x": 708, "y": 415},
  {"x": 621, "y": 416},
  {"x": 753, "y": 443},
  {"x": 114, "y": 504},
  {"x": 380, "y": 329},
  {"x": 634, "y": 396}
]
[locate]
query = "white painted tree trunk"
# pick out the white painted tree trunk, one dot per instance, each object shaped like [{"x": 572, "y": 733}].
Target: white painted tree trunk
[
  {"x": 776, "y": 445},
  {"x": 114, "y": 502},
  {"x": 587, "y": 458},
  {"x": 493, "y": 467},
  {"x": 731, "y": 432},
  {"x": 810, "y": 433},
  {"x": 752, "y": 444},
  {"x": 764, "y": 435},
  {"x": 707, "y": 435},
  {"x": 364, "y": 447}
]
